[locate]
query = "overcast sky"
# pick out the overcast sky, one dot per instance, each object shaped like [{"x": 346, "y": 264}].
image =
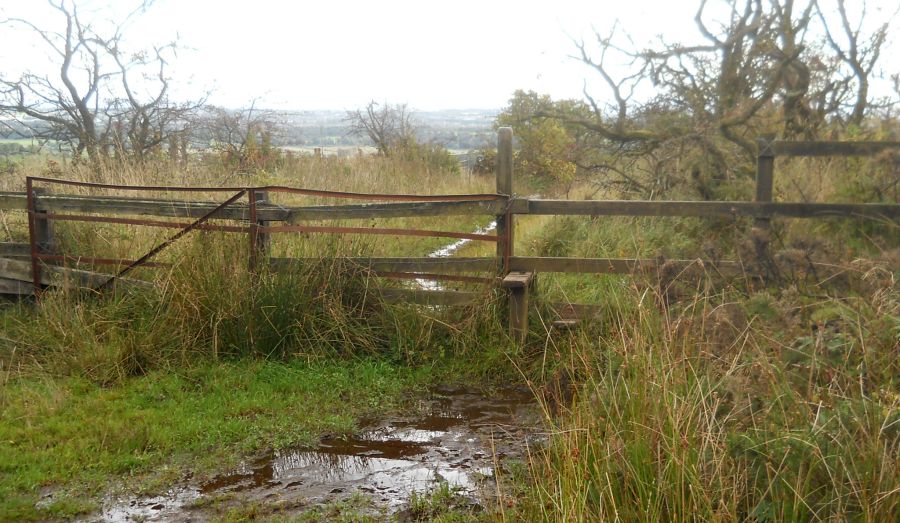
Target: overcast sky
[{"x": 338, "y": 54}]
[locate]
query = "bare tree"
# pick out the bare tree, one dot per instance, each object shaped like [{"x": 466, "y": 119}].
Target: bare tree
[
  {"x": 762, "y": 69},
  {"x": 859, "y": 52},
  {"x": 143, "y": 119},
  {"x": 242, "y": 136},
  {"x": 93, "y": 102},
  {"x": 388, "y": 126}
]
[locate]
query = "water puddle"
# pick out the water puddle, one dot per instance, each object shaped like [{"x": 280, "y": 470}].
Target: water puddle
[{"x": 459, "y": 437}]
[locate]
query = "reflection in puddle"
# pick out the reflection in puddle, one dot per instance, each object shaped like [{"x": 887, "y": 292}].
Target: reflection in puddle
[
  {"x": 458, "y": 440},
  {"x": 166, "y": 507}
]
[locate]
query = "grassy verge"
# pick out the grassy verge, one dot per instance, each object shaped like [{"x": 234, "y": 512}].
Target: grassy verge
[{"x": 73, "y": 437}]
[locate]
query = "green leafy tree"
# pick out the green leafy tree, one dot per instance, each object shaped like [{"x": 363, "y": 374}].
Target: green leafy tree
[{"x": 548, "y": 148}]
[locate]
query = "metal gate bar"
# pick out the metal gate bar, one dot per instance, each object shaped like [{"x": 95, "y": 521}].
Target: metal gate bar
[
  {"x": 254, "y": 228},
  {"x": 283, "y": 189}
]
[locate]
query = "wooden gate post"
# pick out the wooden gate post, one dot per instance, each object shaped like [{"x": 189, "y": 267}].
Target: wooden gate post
[
  {"x": 263, "y": 239},
  {"x": 259, "y": 241},
  {"x": 43, "y": 228},
  {"x": 505, "y": 186},
  {"x": 517, "y": 284},
  {"x": 40, "y": 234}
]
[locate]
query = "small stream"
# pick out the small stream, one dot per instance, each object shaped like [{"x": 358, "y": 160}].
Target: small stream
[{"x": 448, "y": 251}]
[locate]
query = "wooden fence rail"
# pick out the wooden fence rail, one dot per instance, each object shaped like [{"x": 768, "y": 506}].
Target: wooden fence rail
[
  {"x": 707, "y": 209},
  {"x": 257, "y": 217}
]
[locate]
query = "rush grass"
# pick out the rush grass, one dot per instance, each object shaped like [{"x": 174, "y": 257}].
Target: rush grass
[
  {"x": 725, "y": 409},
  {"x": 697, "y": 397}
]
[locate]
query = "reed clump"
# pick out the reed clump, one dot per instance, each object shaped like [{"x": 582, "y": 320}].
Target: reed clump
[{"x": 732, "y": 402}]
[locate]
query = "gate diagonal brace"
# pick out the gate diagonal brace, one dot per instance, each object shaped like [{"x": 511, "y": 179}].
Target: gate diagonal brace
[{"x": 156, "y": 250}]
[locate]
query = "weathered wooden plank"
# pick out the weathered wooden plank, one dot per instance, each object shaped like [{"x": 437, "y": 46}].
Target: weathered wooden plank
[
  {"x": 139, "y": 207},
  {"x": 398, "y": 264},
  {"x": 14, "y": 250},
  {"x": 567, "y": 324},
  {"x": 385, "y": 231},
  {"x": 15, "y": 287},
  {"x": 172, "y": 208},
  {"x": 606, "y": 265},
  {"x": 13, "y": 201},
  {"x": 123, "y": 205},
  {"x": 519, "y": 205},
  {"x": 576, "y": 265},
  {"x": 265, "y": 212},
  {"x": 423, "y": 297},
  {"x": 393, "y": 210},
  {"x": 15, "y": 269},
  {"x": 713, "y": 209},
  {"x": 20, "y": 270},
  {"x": 826, "y": 148}
]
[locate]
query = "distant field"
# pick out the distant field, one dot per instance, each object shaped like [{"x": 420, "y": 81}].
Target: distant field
[{"x": 341, "y": 151}]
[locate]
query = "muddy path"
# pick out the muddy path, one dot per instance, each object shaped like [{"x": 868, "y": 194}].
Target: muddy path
[{"x": 457, "y": 436}]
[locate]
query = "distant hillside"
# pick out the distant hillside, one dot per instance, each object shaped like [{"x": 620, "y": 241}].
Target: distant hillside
[{"x": 456, "y": 129}]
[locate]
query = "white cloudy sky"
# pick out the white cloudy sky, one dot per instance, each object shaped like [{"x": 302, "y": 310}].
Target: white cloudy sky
[{"x": 338, "y": 54}]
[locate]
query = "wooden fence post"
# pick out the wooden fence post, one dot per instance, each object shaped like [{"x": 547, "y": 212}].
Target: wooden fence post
[
  {"x": 518, "y": 286},
  {"x": 765, "y": 173},
  {"x": 263, "y": 239}
]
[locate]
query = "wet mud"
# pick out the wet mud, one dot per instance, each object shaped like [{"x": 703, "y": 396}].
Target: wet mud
[{"x": 458, "y": 436}]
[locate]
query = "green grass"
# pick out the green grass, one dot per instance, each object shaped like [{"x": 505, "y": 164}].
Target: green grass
[
  {"x": 444, "y": 504},
  {"x": 79, "y": 438}
]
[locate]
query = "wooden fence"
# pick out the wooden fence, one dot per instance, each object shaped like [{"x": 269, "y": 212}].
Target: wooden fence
[{"x": 515, "y": 273}]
